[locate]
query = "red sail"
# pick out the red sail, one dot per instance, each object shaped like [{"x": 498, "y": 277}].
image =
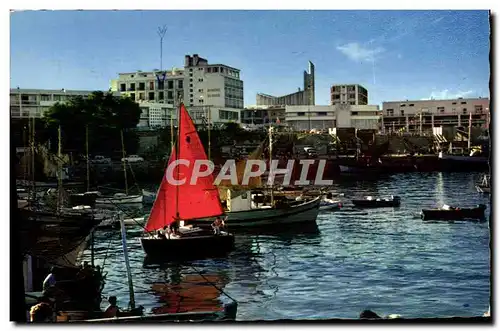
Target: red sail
[{"x": 185, "y": 201}]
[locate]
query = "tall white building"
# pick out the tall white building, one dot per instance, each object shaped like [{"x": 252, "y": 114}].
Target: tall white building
[{"x": 210, "y": 91}]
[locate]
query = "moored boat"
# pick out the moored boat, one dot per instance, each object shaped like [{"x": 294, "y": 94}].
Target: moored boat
[
  {"x": 454, "y": 213},
  {"x": 148, "y": 197},
  {"x": 370, "y": 202},
  {"x": 119, "y": 199},
  {"x": 183, "y": 203},
  {"x": 484, "y": 186}
]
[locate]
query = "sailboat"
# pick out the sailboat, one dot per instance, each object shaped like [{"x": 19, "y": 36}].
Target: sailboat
[
  {"x": 121, "y": 198},
  {"x": 247, "y": 205},
  {"x": 183, "y": 203}
]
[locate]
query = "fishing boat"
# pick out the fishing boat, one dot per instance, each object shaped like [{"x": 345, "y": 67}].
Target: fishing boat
[
  {"x": 454, "y": 213},
  {"x": 371, "y": 202},
  {"x": 178, "y": 205}
]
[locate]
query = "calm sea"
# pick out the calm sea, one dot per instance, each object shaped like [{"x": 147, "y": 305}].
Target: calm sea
[{"x": 387, "y": 260}]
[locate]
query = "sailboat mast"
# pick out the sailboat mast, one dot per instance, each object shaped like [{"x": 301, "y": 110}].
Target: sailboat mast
[
  {"x": 127, "y": 264},
  {"x": 124, "y": 161},
  {"x": 271, "y": 158},
  {"x": 33, "y": 157},
  {"x": 177, "y": 154},
  {"x": 59, "y": 168},
  {"x": 87, "y": 155},
  {"x": 209, "y": 142}
]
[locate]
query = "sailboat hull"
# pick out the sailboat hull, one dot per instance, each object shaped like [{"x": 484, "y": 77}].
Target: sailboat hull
[
  {"x": 120, "y": 200},
  {"x": 303, "y": 213},
  {"x": 189, "y": 247}
]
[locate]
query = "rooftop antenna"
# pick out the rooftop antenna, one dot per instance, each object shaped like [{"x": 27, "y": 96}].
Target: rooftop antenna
[{"x": 161, "y": 32}]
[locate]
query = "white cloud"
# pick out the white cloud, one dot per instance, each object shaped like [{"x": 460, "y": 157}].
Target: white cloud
[
  {"x": 356, "y": 52},
  {"x": 446, "y": 94}
]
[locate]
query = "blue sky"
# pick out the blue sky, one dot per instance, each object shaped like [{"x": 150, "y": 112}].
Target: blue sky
[{"x": 396, "y": 55}]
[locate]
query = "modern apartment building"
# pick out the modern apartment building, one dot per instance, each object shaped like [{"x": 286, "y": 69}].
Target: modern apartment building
[
  {"x": 302, "y": 118},
  {"x": 203, "y": 87},
  {"x": 423, "y": 115},
  {"x": 352, "y": 94},
  {"x": 302, "y": 97},
  {"x": 26, "y": 103}
]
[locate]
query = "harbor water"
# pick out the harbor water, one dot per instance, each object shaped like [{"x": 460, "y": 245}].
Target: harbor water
[{"x": 387, "y": 260}]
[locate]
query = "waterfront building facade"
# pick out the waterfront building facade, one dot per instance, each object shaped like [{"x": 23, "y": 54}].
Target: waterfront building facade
[
  {"x": 420, "y": 116},
  {"x": 306, "y": 118},
  {"x": 263, "y": 115},
  {"x": 29, "y": 103}
]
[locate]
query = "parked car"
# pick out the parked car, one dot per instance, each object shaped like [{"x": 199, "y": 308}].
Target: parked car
[
  {"x": 99, "y": 159},
  {"x": 132, "y": 159}
]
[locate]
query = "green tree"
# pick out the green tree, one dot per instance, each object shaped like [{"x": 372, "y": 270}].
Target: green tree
[{"x": 105, "y": 116}]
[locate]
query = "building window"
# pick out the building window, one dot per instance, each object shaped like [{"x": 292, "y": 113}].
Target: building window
[
  {"x": 352, "y": 96},
  {"x": 411, "y": 105},
  {"x": 464, "y": 110},
  {"x": 402, "y": 113},
  {"x": 390, "y": 112},
  {"x": 352, "y": 103},
  {"x": 141, "y": 96},
  {"x": 191, "y": 75},
  {"x": 180, "y": 84},
  {"x": 463, "y": 102},
  {"x": 46, "y": 97},
  {"x": 402, "y": 105},
  {"x": 321, "y": 113},
  {"x": 132, "y": 96},
  {"x": 216, "y": 69},
  {"x": 142, "y": 86},
  {"x": 200, "y": 69},
  {"x": 355, "y": 113},
  {"x": 191, "y": 100},
  {"x": 161, "y": 95},
  {"x": 151, "y": 96},
  {"x": 132, "y": 86},
  {"x": 454, "y": 103},
  {"x": 170, "y": 95},
  {"x": 123, "y": 87},
  {"x": 151, "y": 85},
  {"x": 201, "y": 100},
  {"x": 301, "y": 113},
  {"x": 190, "y": 85},
  {"x": 209, "y": 69},
  {"x": 170, "y": 84},
  {"x": 478, "y": 108},
  {"x": 200, "y": 79},
  {"x": 440, "y": 109},
  {"x": 161, "y": 85},
  {"x": 190, "y": 80},
  {"x": 191, "y": 90},
  {"x": 200, "y": 90}
]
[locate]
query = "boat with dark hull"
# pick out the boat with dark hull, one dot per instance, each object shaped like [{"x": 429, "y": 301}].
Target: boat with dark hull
[
  {"x": 453, "y": 213},
  {"x": 179, "y": 204},
  {"x": 370, "y": 202}
]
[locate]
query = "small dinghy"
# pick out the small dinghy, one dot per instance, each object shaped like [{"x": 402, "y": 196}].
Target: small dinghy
[
  {"x": 328, "y": 204},
  {"x": 453, "y": 213},
  {"x": 371, "y": 202},
  {"x": 176, "y": 205}
]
